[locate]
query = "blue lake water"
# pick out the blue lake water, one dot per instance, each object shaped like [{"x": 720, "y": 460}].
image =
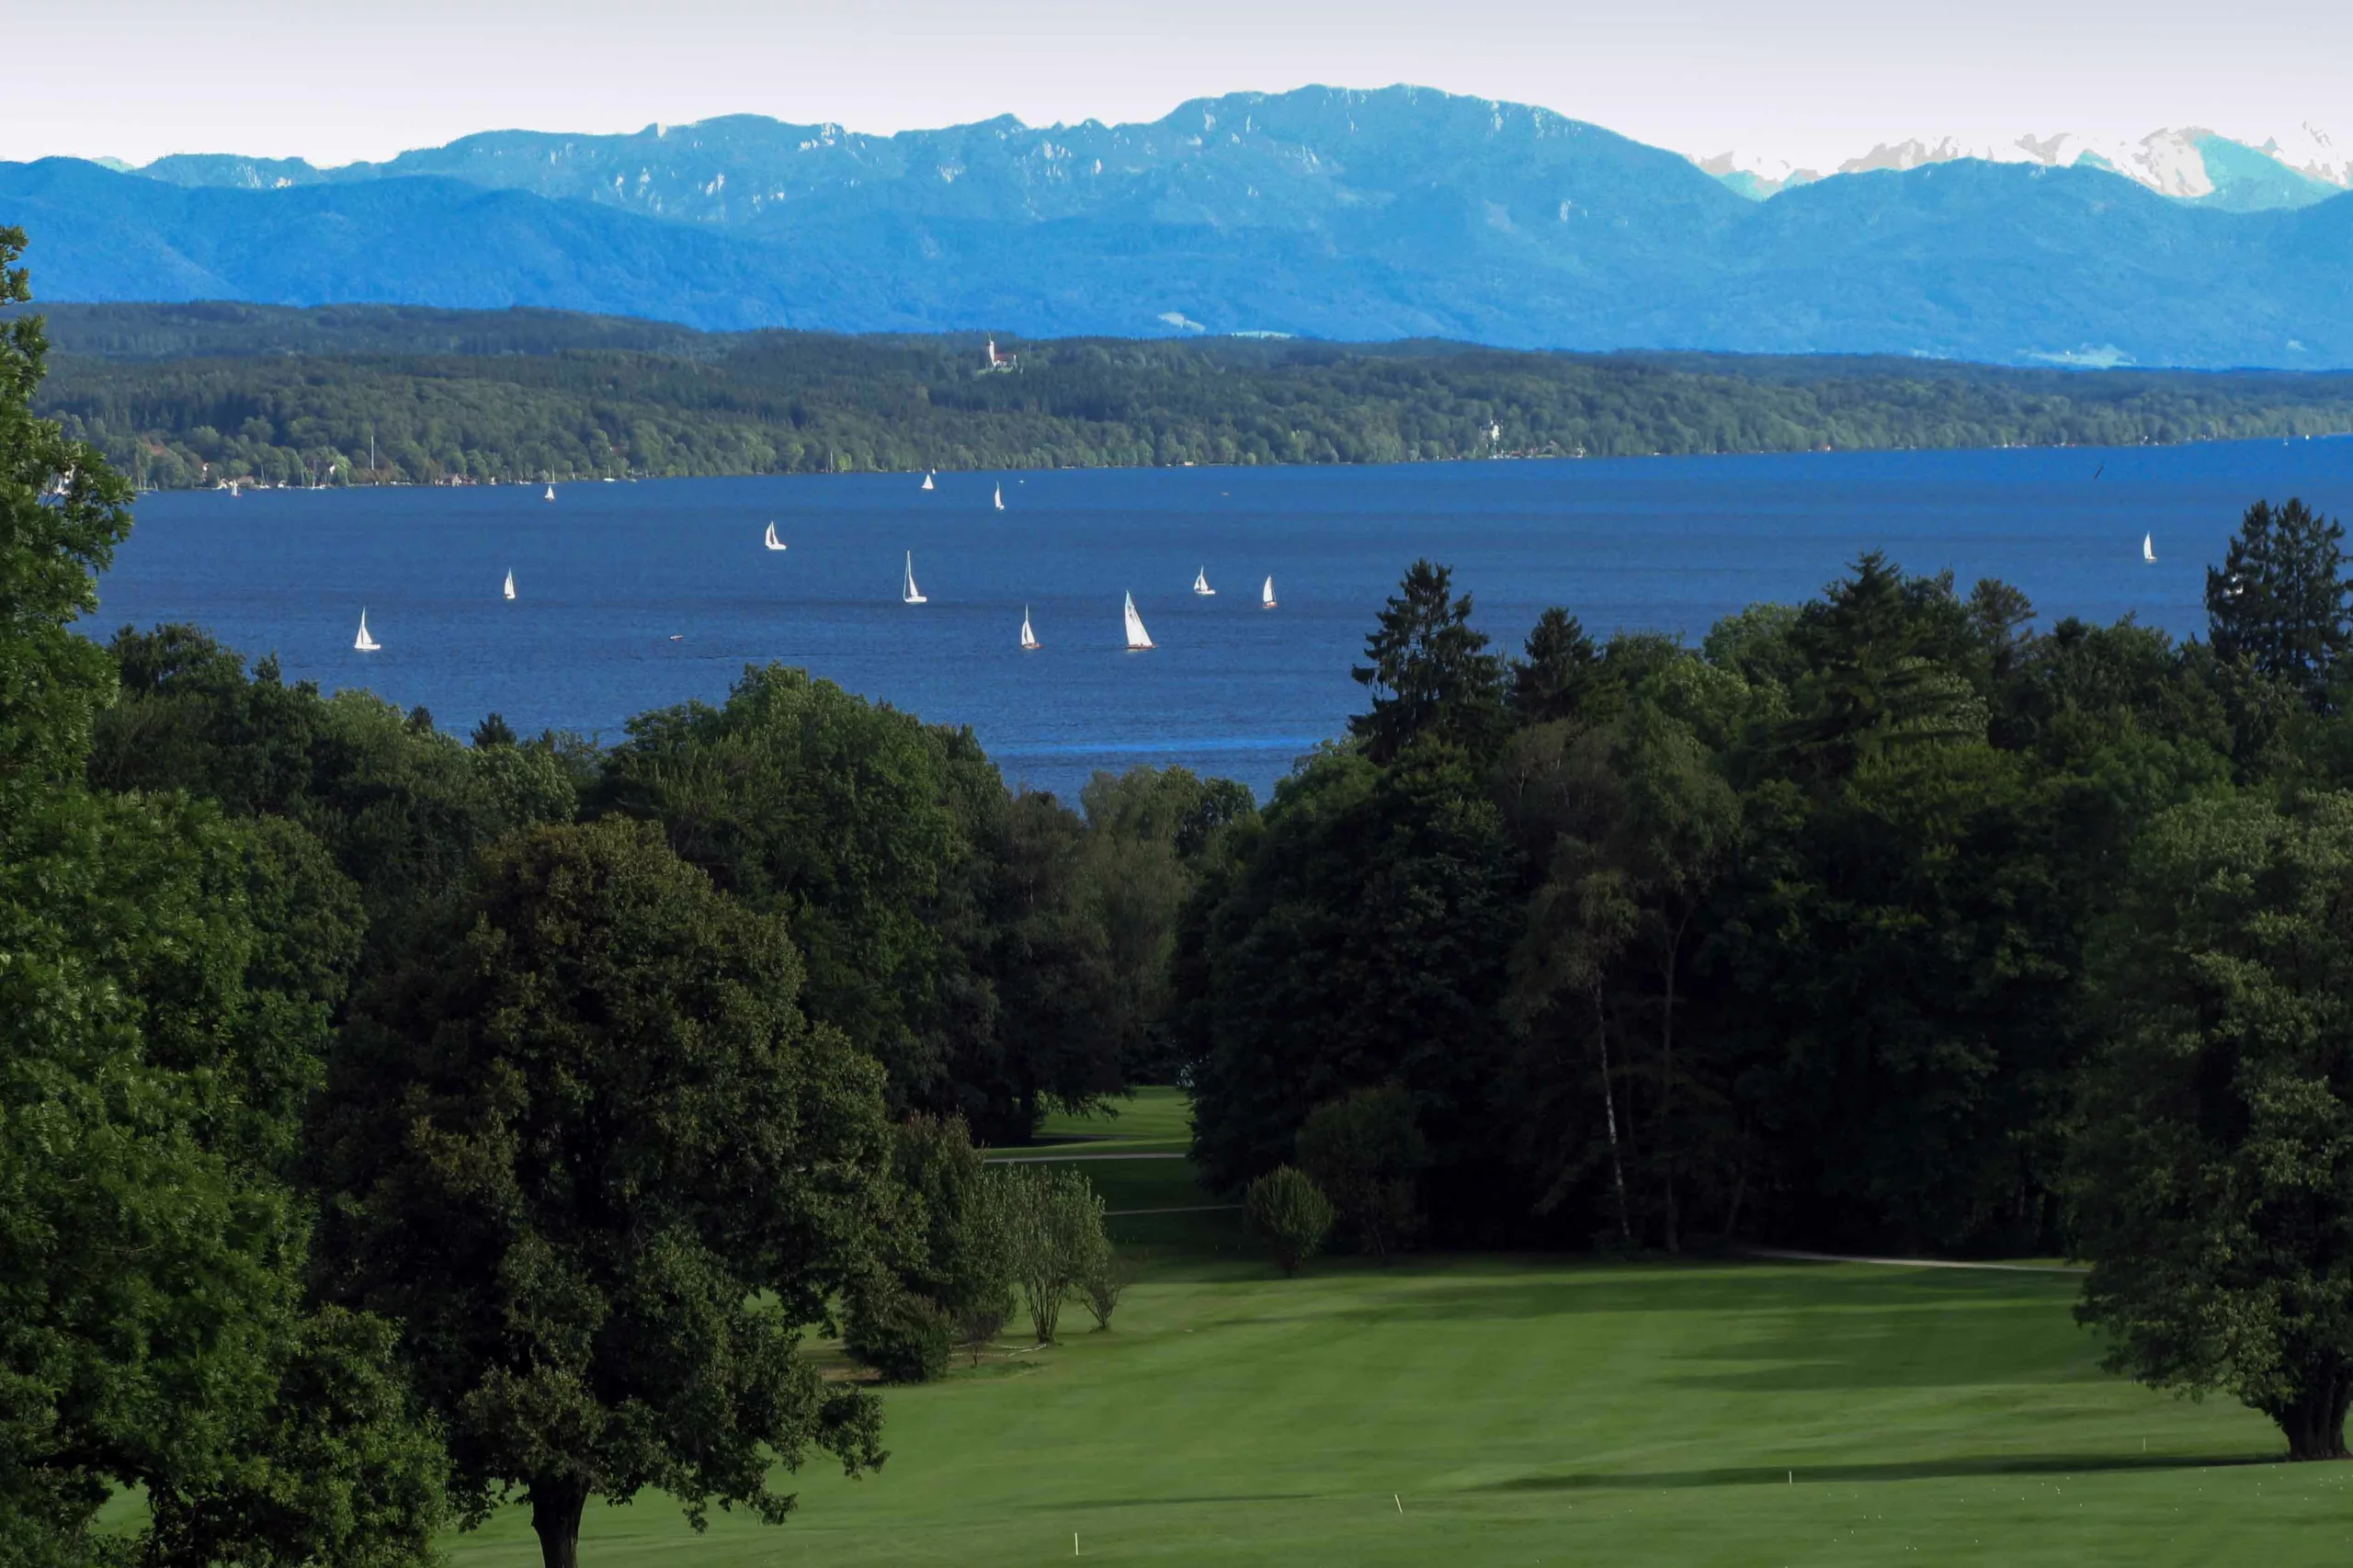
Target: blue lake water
[{"x": 608, "y": 572}]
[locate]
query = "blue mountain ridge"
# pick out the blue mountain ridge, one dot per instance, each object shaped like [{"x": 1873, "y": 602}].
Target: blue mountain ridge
[{"x": 1340, "y": 214}]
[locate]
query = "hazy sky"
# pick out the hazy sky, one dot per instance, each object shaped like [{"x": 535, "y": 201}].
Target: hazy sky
[{"x": 1810, "y": 80}]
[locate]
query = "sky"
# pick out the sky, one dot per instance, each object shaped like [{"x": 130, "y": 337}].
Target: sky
[{"x": 1812, "y": 81}]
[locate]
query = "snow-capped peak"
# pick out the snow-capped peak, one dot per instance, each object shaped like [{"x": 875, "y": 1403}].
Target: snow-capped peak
[
  {"x": 2172, "y": 161},
  {"x": 2309, "y": 150}
]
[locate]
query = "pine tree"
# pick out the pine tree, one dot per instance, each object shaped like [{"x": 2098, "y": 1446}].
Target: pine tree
[
  {"x": 1430, "y": 672},
  {"x": 2280, "y": 599}
]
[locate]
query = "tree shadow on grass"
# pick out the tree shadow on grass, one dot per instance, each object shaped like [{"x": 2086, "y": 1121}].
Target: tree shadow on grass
[
  {"x": 1738, "y": 1287},
  {"x": 1998, "y": 1342},
  {"x": 1074, "y": 1504},
  {"x": 1955, "y": 1467}
]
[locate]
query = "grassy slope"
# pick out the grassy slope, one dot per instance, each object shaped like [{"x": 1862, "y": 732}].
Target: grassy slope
[{"x": 1532, "y": 1411}]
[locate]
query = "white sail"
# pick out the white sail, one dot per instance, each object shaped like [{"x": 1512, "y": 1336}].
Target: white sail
[
  {"x": 772, "y": 541},
  {"x": 910, "y": 593},
  {"x": 926, "y": 481},
  {"x": 1137, "y": 636},
  {"x": 1000, "y": 497},
  {"x": 2149, "y": 547},
  {"x": 550, "y": 495},
  {"x": 364, "y": 642},
  {"x": 1201, "y": 583},
  {"x": 1028, "y": 638},
  {"x": 510, "y": 582},
  {"x": 1267, "y": 595}
]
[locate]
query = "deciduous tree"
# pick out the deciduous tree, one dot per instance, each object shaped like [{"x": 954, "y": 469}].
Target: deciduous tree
[
  {"x": 591, "y": 1157},
  {"x": 2211, "y": 1178}
]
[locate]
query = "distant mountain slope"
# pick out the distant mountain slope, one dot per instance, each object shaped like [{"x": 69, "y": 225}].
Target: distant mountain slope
[
  {"x": 2189, "y": 163},
  {"x": 1347, "y": 215}
]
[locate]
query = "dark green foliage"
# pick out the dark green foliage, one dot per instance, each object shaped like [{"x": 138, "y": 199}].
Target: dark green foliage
[
  {"x": 1358, "y": 938},
  {"x": 1288, "y": 1212},
  {"x": 2279, "y": 600},
  {"x": 241, "y": 391},
  {"x": 345, "y": 1470},
  {"x": 591, "y": 1157},
  {"x": 996, "y": 953},
  {"x": 401, "y": 808},
  {"x": 1559, "y": 677},
  {"x": 904, "y": 1336},
  {"x": 1428, "y": 671},
  {"x": 842, "y": 818},
  {"x": 1797, "y": 924},
  {"x": 62, "y": 511},
  {"x": 1146, "y": 830},
  {"x": 1366, "y": 1151},
  {"x": 165, "y": 982},
  {"x": 1642, "y": 828},
  {"x": 2213, "y": 1174},
  {"x": 946, "y": 1246}
]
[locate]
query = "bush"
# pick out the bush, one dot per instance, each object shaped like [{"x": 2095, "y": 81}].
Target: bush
[
  {"x": 1054, "y": 1219},
  {"x": 1102, "y": 1282},
  {"x": 980, "y": 1320},
  {"x": 1363, "y": 1150},
  {"x": 1287, "y": 1210},
  {"x": 904, "y": 1336}
]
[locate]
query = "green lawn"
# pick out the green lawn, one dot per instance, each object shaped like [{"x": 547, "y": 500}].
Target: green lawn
[
  {"x": 1525, "y": 1411},
  {"x": 1152, "y": 1119}
]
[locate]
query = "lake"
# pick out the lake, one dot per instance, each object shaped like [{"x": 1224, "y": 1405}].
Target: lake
[{"x": 609, "y": 575}]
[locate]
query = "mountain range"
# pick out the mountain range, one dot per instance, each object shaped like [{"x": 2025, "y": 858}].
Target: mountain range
[
  {"x": 2190, "y": 163},
  {"x": 1326, "y": 212}
]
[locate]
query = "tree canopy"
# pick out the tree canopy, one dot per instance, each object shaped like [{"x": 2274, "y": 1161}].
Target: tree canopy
[{"x": 591, "y": 1156}]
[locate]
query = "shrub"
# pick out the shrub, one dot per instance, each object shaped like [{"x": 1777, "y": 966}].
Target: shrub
[
  {"x": 1102, "y": 1282},
  {"x": 980, "y": 1320},
  {"x": 949, "y": 1238},
  {"x": 1053, "y": 1221},
  {"x": 904, "y": 1336},
  {"x": 1287, "y": 1210},
  {"x": 1363, "y": 1150}
]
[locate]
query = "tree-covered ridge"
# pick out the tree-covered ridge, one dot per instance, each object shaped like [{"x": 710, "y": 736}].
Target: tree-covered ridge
[{"x": 191, "y": 395}]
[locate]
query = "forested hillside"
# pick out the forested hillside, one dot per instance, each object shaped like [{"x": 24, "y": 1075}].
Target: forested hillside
[{"x": 191, "y": 395}]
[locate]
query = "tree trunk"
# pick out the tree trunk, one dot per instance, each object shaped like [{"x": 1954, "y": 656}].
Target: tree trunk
[
  {"x": 1609, "y": 1109},
  {"x": 2316, "y": 1423},
  {"x": 556, "y": 1506},
  {"x": 1666, "y": 1087}
]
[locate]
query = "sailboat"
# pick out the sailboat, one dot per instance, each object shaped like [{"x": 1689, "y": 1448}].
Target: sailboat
[
  {"x": 1267, "y": 595},
  {"x": 1028, "y": 638},
  {"x": 926, "y": 481},
  {"x": 1000, "y": 497},
  {"x": 1138, "y": 637},
  {"x": 550, "y": 495},
  {"x": 910, "y": 593},
  {"x": 364, "y": 642},
  {"x": 1201, "y": 583},
  {"x": 2149, "y": 547},
  {"x": 772, "y": 541},
  {"x": 510, "y": 582}
]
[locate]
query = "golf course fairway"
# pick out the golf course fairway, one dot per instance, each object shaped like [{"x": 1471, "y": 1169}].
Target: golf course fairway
[{"x": 1475, "y": 1410}]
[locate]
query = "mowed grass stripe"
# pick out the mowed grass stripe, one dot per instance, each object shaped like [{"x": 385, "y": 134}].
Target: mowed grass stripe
[{"x": 1534, "y": 1410}]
